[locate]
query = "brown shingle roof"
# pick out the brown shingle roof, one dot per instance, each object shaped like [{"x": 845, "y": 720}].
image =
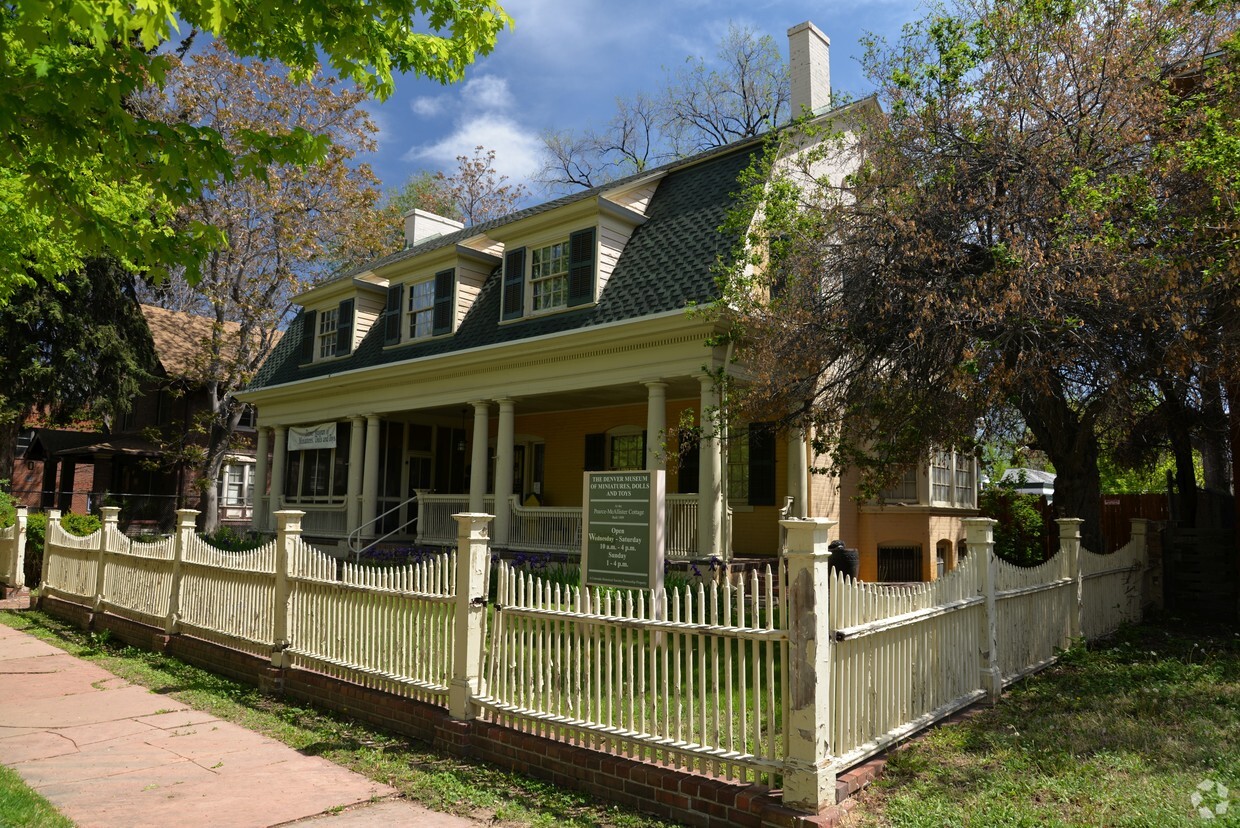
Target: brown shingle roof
[{"x": 180, "y": 339}]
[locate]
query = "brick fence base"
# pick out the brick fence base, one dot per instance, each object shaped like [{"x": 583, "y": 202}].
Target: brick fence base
[{"x": 694, "y": 799}]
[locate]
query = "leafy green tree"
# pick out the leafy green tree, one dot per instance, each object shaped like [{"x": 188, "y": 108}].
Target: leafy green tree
[
  {"x": 1020, "y": 534},
  {"x": 1018, "y": 229},
  {"x": 86, "y": 171}
]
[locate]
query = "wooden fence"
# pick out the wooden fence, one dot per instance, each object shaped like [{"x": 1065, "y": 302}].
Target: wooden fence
[
  {"x": 13, "y": 552},
  {"x": 787, "y": 675}
]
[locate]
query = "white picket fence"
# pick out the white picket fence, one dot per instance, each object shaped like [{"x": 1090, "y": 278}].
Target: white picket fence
[
  {"x": 13, "y": 552},
  {"x": 788, "y": 675},
  {"x": 689, "y": 676},
  {"x": 390, "y": 628}
]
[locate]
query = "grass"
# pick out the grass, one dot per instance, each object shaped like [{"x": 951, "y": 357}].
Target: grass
[
  {"x": 20, "y": 807},
  {"x": 439, "y": 782},
  {"x": 1119, "y": 734}
]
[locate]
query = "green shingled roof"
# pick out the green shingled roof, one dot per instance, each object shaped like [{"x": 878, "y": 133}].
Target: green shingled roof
[{"x": 668, "y": 264}]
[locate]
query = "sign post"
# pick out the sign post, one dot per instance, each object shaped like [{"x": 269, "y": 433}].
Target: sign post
[{"x": 622, "y": 535}]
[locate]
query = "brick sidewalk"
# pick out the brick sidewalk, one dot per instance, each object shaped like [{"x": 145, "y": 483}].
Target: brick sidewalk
[{"x": 109, "y": 754}]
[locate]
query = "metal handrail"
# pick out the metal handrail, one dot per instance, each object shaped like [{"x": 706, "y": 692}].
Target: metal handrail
[{"x": 355, "y": 537}]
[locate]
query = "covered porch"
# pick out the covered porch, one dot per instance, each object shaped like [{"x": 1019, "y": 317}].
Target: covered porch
[{"x": 398, "y": 476}]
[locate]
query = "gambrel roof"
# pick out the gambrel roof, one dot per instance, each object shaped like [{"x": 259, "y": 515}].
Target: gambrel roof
[{"x": 668, "y": 264}]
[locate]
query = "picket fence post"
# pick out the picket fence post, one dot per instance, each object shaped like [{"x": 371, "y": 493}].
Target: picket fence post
[
  {"x": 53, "y": 516},
  {"x": 111, "y": 514},
  {"x": 1070, "y": 547},
  {"x": 288, "y": 527},
  {"x": 186, "y": 525},
  {"x": 809, "y": 775},
  {"x": 980, "y": 537},
  {"x": 473, "y": 572},
  {"x": 19, "y": 551}
]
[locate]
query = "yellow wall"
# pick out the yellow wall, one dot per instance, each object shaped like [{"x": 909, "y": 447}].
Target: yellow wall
[{"x": 755, "y": 530}]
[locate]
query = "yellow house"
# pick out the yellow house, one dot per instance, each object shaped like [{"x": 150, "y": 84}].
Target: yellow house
[{"x": 486, "y": 368}]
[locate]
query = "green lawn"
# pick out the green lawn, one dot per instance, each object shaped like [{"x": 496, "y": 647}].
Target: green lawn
[
  {"x": 21, "y": 807},
  {"x": 1120, "y": 734},
  {"x": 435, "y": 780}
]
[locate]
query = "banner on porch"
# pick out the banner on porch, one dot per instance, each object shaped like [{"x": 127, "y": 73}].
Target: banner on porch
[{"x": 321, "y": 436}]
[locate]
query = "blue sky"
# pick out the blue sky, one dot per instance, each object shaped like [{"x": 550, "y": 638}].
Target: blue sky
[{"x": 565, "y": 62}]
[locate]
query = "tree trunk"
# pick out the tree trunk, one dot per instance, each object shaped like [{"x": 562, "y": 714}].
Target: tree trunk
[
  {"x": 1213, "y": 437},
  {"x": 224, "y": 419},
  {"x": 1070, "y": 443}
]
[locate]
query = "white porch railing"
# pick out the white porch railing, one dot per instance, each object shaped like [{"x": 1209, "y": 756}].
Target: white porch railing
[
  {"x": 682, "y": 526},
  {"x": 544, "y": 528},
  {"x": 435, "y": 511},
  {"x": 323, "y": 520},
  {"x": 548, "y": 528}
]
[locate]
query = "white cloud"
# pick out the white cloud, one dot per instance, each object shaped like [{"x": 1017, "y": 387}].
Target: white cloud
[
  {"x": 516, "y": 147},
  {"x": 427, "y": 107},
  {"x": 487, "y": 92}
]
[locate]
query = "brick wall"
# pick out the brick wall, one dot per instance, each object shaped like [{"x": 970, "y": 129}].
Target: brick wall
[{"x": 694, "y": 799}]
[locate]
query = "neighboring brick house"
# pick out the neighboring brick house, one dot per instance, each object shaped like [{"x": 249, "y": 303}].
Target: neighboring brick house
[
  {"x": 130, "y": 464},
  {"x": 557, "y": 340}
]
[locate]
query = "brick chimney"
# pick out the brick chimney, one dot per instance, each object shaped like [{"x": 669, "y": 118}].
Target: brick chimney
[
  {"x": 809, "y": 53},
  {"x": 421, "y": 225}
]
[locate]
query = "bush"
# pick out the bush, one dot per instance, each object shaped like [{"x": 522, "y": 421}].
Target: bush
[
  {"x": 230, "y": 540},
  {"x": 8, "y": 507},
  {"x": 1020, "y": 535}
]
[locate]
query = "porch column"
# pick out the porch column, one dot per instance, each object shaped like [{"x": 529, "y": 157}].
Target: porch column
[
  {"x": 798, "y": 474},
  {"x": 710, "y": 472},
  {"x": 370, "y": 475},
  {"x": 278, "y": 454},
  {"x": 503, "y": 472},
  {"x": 478, "y": 457},
  {"x": 353, "y": 494},
  {"x": 258, "y": 515},
  {"x": 656, "y": 425}
]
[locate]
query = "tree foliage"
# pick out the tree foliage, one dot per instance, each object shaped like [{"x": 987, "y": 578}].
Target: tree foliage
[
  {"x": 290, "y": 227},
  {"x": 742, "y": 93},
  {"x": 1022, "y": 226},
  {"x": 84, "y": 173},
  {"x": 72, "y": 352}
]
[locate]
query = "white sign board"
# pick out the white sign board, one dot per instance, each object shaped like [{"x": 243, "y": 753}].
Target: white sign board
[{"x": 312, "y": 437}]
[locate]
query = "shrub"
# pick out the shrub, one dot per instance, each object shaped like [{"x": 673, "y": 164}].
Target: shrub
[
  {"x": 230, "y": 540},
  {"x": 8, "y": 507},
  {"x": 1020, "y": 535}
]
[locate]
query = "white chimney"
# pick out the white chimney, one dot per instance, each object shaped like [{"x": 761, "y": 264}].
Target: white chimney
[
  {"x": 809, "y": 53},
  {"x": 421, "y": 225}
]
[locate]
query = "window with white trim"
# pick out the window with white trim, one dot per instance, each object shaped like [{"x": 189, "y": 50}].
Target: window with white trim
[
  {"x": 941, "y": 477},
  {"x": 738, "y": 468},
  {"x": 903, "y": 491},
  {"x": 421, "y": 309},
  {"x": 628, "y": 452},
  {"x": 328, "y": 320},
  {"x": 237, "y": 484},
  {"x": 549, "y": 276}
]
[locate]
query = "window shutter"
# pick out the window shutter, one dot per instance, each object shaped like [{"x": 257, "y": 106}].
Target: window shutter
[
  {"x": 445, "y": 280},
  {"x": 344, "y": 328},
  {"x": 309, "y": 321},
  {"x": 761, "y": 464},
  {"x": 514, "y": 284},
  {"x": 391, "y": 315},
  {"x": 687, "y": 462},
  {"x": 581, "y": 267},
  {"x": 596, "y": 452}
]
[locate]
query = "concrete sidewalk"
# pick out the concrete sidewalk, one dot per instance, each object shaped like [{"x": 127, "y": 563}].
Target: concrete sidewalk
[{"x": 108, "y": 754}]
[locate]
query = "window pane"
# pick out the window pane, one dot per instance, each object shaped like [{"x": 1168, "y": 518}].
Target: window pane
[
  {"x": 421, "y": 308},
  {"x": 940, "y": 477},
  {"x": 626, "y": 452},
  {"x": 327, "y": 332},
  {"x": 549, "y": 276},
  {"x": 738, "y": 467}
]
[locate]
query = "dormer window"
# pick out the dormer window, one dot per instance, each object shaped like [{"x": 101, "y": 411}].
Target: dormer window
[
  {"x": 327, "y": 333},
  {"x": 549, "y": 276},
  {"x": 328, "y": 321},
  {"x": 430, "y": 309}
]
